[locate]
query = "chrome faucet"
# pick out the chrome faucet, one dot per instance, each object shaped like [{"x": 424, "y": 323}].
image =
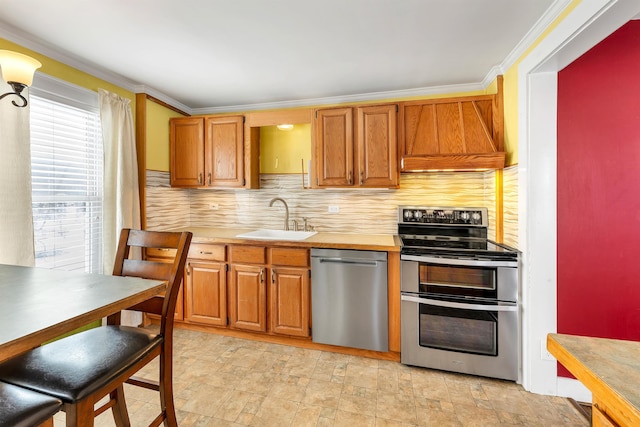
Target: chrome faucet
[{"x": 286, "y": 211}]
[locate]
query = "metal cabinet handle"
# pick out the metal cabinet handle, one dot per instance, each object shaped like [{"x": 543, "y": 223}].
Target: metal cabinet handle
[
  {"x": 361, "y": 177},
  {"x": 209, "y": 178},
  {"x": 350, "y": 177},
  {"x": 206, "y": 253},
  {"x": 200, "y": 178},
  {"x": 273, "y": 276},
  {"x": 262, "y": 275}
]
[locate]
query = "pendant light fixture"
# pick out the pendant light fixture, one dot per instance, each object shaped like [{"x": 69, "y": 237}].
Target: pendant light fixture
[{"x": 17, "y": 70}]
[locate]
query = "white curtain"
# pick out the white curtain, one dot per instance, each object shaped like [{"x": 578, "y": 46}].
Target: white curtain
[
  {"x": 16, "y": 216},
  {"x": 121, "y": 193}
]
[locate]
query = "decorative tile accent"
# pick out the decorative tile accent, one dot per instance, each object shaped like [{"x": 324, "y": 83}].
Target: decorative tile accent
[
  {"x": 510, "y": 205},
  {"x": 372, "y": 211},
  {"x": 167, "y": 208}
]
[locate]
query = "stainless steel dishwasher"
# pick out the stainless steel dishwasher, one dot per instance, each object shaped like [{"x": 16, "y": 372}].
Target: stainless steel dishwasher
[{"x": 349, "y": 298}]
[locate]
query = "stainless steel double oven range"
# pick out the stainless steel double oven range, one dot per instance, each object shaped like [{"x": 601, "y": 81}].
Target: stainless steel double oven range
[{"x": 460, "y": 292}]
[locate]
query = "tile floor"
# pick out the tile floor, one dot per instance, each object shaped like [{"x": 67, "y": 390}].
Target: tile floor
[{"x": 224, "y": 381}]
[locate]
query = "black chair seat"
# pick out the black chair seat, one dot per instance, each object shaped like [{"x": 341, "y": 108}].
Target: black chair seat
[
  {"x": 77, "y": 366},
  {"x": 20, "y": 407}
]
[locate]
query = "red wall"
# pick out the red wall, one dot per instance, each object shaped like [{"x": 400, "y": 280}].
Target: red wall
[{"x": 599, "y": 190}]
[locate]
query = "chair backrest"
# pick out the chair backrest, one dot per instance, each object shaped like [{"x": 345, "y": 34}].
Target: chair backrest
[{"x": 172, "y": 273}]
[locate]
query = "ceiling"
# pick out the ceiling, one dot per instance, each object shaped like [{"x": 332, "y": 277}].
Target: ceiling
[{"x": 221, "y": 55}]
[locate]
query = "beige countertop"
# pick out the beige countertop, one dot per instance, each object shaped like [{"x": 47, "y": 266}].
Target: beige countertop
[{"x": 378, "y": 242}]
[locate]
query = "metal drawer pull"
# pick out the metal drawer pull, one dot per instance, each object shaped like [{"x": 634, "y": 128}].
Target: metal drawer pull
[
  {"x": 206, "y": 253},
  {"x": 451, "y": 304}
]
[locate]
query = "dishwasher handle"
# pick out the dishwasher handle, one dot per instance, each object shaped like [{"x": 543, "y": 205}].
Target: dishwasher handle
[{"x": 349, "y": 261}]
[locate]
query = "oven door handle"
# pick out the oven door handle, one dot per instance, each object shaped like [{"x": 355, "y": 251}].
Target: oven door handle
[
  {"x": 459, "y": 261},
  {"x": 501, "y": 306}
]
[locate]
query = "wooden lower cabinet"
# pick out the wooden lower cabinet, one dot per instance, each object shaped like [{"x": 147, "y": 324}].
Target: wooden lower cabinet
[
  {"x": 289, "y": 301},
  {"x": 248, "y": 298},
  {"x": 269, "y": 290},
  {"x": 206, "y": 293}
]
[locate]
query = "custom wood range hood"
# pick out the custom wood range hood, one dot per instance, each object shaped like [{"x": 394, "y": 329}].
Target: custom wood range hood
[{"x": 465, "y": 133}]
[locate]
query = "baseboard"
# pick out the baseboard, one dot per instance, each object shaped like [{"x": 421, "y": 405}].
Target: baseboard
[{"x": 568, "y": 387}]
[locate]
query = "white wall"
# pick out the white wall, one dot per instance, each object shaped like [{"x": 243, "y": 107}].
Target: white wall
[{"x": 589, "y": 23}]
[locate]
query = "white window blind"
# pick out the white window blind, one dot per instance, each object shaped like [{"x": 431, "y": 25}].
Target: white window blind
[{"x": 66, "y": 170}]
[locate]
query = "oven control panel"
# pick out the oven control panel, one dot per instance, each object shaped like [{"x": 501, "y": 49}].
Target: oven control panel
[{"x": 443, "y": 216}]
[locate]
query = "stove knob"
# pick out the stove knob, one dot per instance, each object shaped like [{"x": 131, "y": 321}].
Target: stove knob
[
  {"x": 464, "y": 216},
  {"x": 476, "y": 216},
  {"x": 408, "y": 215},
  {"x": 418, "y": 215}
]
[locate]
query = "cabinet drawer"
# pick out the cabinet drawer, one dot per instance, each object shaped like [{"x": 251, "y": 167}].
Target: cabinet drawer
[
  {"x": 248, "y": 254},
  {"x": 295, "y": 257},
  {"x": 160, "y": 253},
  {"x": 207, "y": 251}
]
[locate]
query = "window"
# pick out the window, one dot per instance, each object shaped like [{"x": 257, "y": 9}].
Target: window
[{"x": 66, "y": 170}]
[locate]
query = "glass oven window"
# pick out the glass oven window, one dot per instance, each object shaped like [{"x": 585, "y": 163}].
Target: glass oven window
[
  {"x": 443, "y": 277},
  {"x": 455, "y": 329}
]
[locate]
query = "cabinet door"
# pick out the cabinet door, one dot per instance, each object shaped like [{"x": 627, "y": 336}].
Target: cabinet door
[
  {"x": 186, "y": 145},
  {"x": 224, "y": 151},
  {"x": 248, "y": 298},
  {"x": 377, "y": 146},
  {"x": 289, "y": 296},
  {"x": 206, "y": 293},
  {"x": 334, "y": 147}
]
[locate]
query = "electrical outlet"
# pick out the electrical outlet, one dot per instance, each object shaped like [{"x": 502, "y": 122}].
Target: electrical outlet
[
  {"x": 334, "y": 209},
  {"x": 213, "y": 206},
  {"x": 544, "y": 353}
]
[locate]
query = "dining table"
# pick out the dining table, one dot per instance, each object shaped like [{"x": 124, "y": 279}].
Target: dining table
[{"x": 40, "y": 304}]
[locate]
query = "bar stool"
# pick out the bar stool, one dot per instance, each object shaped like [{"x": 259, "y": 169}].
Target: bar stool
[{"x": 20, "y": 407}]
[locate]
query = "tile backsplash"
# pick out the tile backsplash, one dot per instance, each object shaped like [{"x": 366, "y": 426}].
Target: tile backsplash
[{"x": 372, "y": 211}]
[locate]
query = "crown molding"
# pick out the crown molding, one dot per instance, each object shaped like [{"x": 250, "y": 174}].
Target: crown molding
[
  {"x": 534, "y": 33},
  {"x": 23, "y": 39},
  {"x": 20, "y": 37},
  {"x": 164, "y": 98},
  {"x": 341, "y": 99}
]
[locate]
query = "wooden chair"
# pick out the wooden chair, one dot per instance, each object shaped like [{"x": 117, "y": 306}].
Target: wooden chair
[
  {"x": 83, "y": 368},
  {"x": 20, "y": 407}
]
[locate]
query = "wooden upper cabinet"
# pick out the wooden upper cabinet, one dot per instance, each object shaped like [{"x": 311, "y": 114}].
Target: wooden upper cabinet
[
  {"x": 224, "y": 151},
  {"x": 334, "y": 147},
  {"x": 453, "y": 133},
  {"x": 186, "y": 136},
  {"x": 377, "y": 146},
  {"x": 369, "y": 162},
  {"x": 207, "y": 151}
]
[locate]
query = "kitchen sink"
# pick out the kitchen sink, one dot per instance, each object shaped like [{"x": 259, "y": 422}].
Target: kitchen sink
[{"x": 265, "y": 234}]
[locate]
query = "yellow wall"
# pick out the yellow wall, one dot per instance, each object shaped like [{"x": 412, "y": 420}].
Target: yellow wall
[
  {"x": 511, "y": 92},
  {"x": 281, "y": 151},
  {"x": 69, "y": 74},
  {"x": 158, "y": 135}
]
